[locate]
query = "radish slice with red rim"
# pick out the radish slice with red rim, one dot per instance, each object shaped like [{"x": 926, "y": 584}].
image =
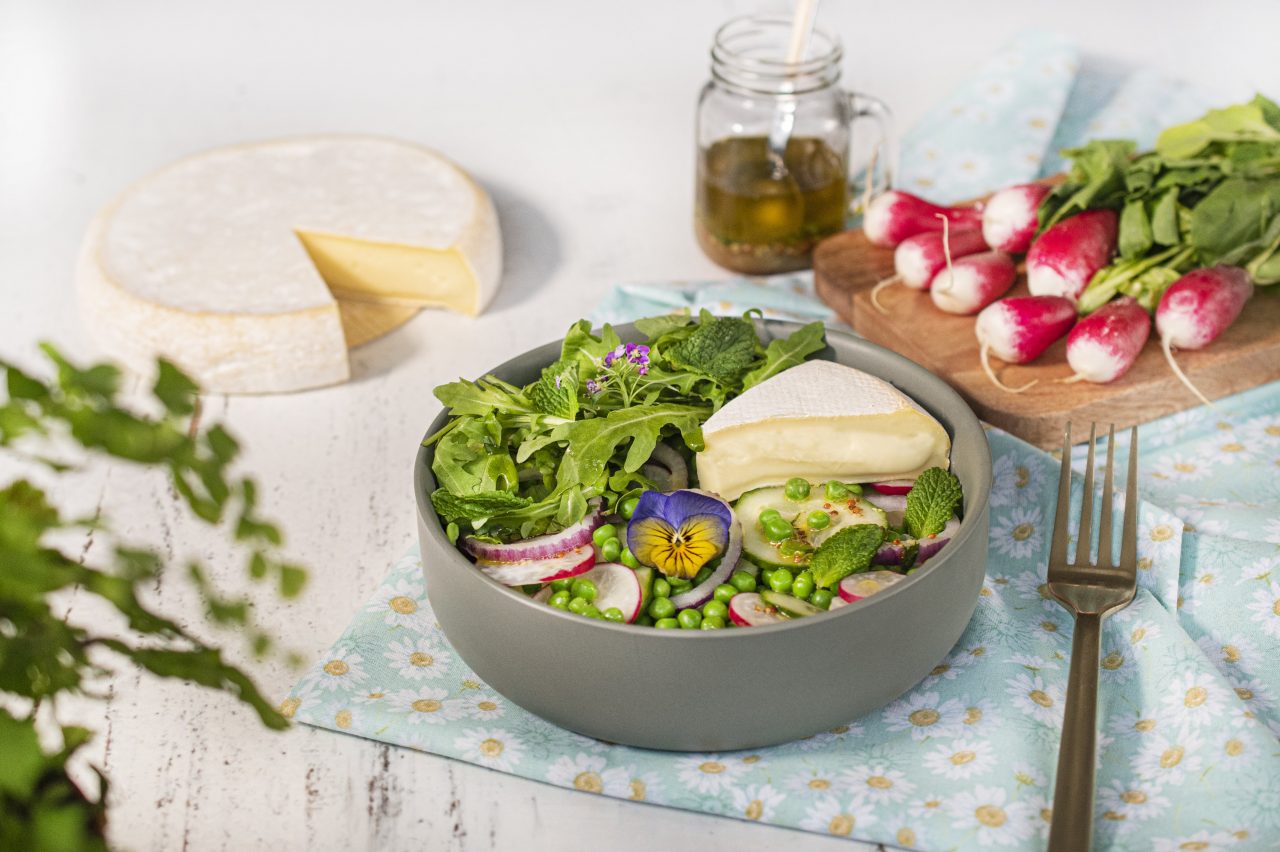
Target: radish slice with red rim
[
  {"x": 526, "y": 572},
  {"x": 893, "y": 486},
  {"x": 539, "y": 547},
  {"x": 616, "y": 586},
  {"x": 855, "y": 587},
  {"x": 748, "y": 609}
]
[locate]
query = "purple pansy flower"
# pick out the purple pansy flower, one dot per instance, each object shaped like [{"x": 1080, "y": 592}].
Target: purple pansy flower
[{"x": 678, "y": 533}]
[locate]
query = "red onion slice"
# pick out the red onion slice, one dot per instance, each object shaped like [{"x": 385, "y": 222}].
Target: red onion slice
[
  {"x": 702, "y": 592},
  {"x": 674, "y": 462},
  {"x": 526, "y": 572},
  {"x": 891, "y": 553},
  {"x": 538, "y": 547},
  {"x": 893, "y": 486}
]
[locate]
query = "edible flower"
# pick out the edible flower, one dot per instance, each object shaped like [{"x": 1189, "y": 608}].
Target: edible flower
[{"x": 678, "y": 533}]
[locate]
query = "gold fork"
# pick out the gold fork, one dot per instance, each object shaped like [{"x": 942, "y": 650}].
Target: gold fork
[{"x": 1089, "y": 591}]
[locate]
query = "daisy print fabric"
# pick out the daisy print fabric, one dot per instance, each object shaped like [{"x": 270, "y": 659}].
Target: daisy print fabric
[{"x": 1189, "y": 708}]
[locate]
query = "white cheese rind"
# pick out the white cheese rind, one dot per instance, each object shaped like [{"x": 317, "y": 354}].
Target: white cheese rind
[{"x": 819, "y": 420}]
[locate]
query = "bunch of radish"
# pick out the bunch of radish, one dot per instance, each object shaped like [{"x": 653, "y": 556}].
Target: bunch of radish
[{"x": 962, "y": 256}]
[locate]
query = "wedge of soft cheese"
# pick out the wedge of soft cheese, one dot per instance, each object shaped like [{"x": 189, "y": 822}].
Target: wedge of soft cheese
[
  {"x": 819, "y": 420},
  {"x": 229, "y": 262}
]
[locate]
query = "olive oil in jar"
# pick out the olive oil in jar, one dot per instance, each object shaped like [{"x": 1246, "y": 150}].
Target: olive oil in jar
[{"x": 753, "y": 217}]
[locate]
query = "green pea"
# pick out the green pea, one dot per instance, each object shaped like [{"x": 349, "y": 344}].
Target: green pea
[
  {"x": 713, "y": 608},
  {"x": 837, "y": 491},
  {"x": 584, "y": 588},
  {"x": 661, "y": 588},
  {"x": 578, "y": 605},
  {"x": 821, "y": 598},
  {"x": 613, "y": 614},
  {"x": 628, "y": 507},
  {"x": 644, "y": 619},
  {"x": 802, "y": 586},
  {"x": 796, "y": 489},
  {"x": 689, "y": 619},
  {"x": 725, "y": 592},
  {"x": 561, "y": 585},
  {"x": 780, "y": 581},
  {"x": 592, "y": 612},
  {"x": 679, "y": 584},
  {"x": 666, "y": 623},
  {"x": 768, "y": 515},
  {"x": 778, "y": 530},
  {"x": 818, "y": 520},
  {"x": 703, "y": 574},
  {"x": 611, "y": 550},
  {"x": 742, "y": 581},
  {"x": 854, "y": 488},
  {"x": 603, "y": 533},
  {"x": 662, "y": 608},
  {"x": 560, "y": 600},
  {"x": 712, "y": 622},
  {"x": 628, "y": 558}
]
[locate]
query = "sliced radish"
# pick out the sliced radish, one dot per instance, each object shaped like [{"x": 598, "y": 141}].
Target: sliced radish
[
  {"x": 893, "y": 486},
  {"x": 748, "y": 609},
  {"x": 836, "y": 603},
  {"x": 891, "y": 552},
  {"x": 855, "y": 587},
  {"x": 539, "y": 547},
  {"x": 526, "y": 572},
  {"x": 616, "y": 586}
]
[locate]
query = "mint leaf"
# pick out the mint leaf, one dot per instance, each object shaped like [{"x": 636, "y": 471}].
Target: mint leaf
[
  {"x": 722, "y": 348},
  {"x": 787, "y": 352},
  {"x": 453, "y": 507},
  {"x": 556, "y": 392},
  {"x": 932, "y": 501},
  {"x": 655, "y": 327},
  {"x": 847, "y": 552}
]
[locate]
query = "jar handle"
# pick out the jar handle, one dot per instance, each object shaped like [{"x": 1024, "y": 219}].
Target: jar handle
[{"x": 884, "y": 157}]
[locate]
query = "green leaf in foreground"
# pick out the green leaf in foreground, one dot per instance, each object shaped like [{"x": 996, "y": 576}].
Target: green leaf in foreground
[
  {"x": 453, "y": 507},
  {"x": 787, "y": 352},
  {"x": 847, "y": 552},
  {"x": 592, "y": 443},
  {"x": 932, "y": 501}
]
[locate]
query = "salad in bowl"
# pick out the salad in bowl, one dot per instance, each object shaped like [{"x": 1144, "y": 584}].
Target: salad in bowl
[{"x": 695, "y": 479}]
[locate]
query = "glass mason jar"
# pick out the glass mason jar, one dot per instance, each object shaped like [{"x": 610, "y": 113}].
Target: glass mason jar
[{"x": 773, "y": 147}]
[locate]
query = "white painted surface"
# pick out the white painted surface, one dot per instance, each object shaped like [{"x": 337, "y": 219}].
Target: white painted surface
[{"x": 578, "y": 118}]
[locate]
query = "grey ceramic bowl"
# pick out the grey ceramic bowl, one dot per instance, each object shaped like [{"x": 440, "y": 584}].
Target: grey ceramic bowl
[{"x": 723, "y": 689}]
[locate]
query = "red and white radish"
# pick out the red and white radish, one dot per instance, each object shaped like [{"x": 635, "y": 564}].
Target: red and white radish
[
  {"x": 1019, "y": 328},
  {"x": 971, "y": 283},
  {"x": 748, "y": 609},
  {"x": 1197, "y": 308},
  {"x": 1063, "y": 259},
  {"x": 894, "y": 216},
  {"x": 1104, "y": 345},
  {"x": 893, "y": 486},
  {"x": 1009, "y": 219},
  {"x": 526, "y": 572},
  {"x": 539, "y": 547},
  {"x": 855, "y": 587},
  {"x": 616, "y": 586},
  {"x": 918, "y": 259}
]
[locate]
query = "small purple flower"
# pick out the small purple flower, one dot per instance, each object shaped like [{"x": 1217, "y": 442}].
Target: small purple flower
[
  {"x": 643, "y": 369},
  {"x": 593, "y": 387},
  {"x": 558, "y": 378},
  {"x": 608, "y": 359}
]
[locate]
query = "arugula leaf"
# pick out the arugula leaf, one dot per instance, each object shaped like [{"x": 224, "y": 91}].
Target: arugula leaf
[
  {"x": 785, "y": 353},
  {"x": 556, "y": 392},
  {"x": 479, "y": 398},
  {"x": 722, "y": 348},
  {"x": 847, "y": 552},
  {"x": 583, "y": 348},
  {"x": 931, "y": 502},
  {"x": 592, "y": 443},
  {"x": 453, "y": 507},
  {"x": 654, "y": 327}
]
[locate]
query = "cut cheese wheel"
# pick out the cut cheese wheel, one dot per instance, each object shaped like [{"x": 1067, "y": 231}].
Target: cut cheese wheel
[
  {"x": 818, "y": 421},
  {"x": 228, "y": 263}
]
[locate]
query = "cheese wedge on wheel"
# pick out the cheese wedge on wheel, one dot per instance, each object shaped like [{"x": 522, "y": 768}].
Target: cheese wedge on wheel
[
  {"x": 818, "y": 421},
  {"x": 228, "y": 263}
]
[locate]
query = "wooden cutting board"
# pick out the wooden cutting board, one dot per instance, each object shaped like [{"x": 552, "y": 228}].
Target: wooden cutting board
[{"x": 846, "y": 267}]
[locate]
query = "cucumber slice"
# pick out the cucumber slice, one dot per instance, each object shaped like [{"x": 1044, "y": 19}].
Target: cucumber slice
[
  {"x": 644, "y": 574},
  {"x": 788, "y": 605},
  {"x": 795, "y": 552}
]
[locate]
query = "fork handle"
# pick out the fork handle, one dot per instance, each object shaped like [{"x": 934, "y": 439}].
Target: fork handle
[{"x": 1072, "y": 826}]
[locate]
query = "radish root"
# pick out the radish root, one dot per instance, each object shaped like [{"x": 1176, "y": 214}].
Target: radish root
[
  {"x": 991, "y": 374},
  {"x": 946, "y": 251},
  {"x": 875, "y": 292},
  {"x": 870, "y": 174},
  {"x": 1071, "y": 379},
  {"x": 1182, "y": 377}
]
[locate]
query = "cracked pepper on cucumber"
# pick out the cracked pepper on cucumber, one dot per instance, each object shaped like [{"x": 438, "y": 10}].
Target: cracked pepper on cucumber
[{"x": 702, "y": 479}]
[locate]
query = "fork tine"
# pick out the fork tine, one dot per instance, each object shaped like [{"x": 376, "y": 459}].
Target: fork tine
[
  {"x": 1084, "y": 543},
  {"x": 1129, "y": 533},
  {"x": 1058, "y": 544},
  {"x": 1104, "y": 522}
]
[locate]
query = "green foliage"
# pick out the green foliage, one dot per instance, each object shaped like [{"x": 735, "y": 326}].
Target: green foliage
[
  {"x": 515, "y": 462},
  {"x": 43, "y": 654},
  {"x": 931, "y": 502},
  {"x": 847, "y": 552}
]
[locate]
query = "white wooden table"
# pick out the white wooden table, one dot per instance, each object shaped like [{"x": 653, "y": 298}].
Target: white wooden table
[{"x": 577, "y": 116}]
